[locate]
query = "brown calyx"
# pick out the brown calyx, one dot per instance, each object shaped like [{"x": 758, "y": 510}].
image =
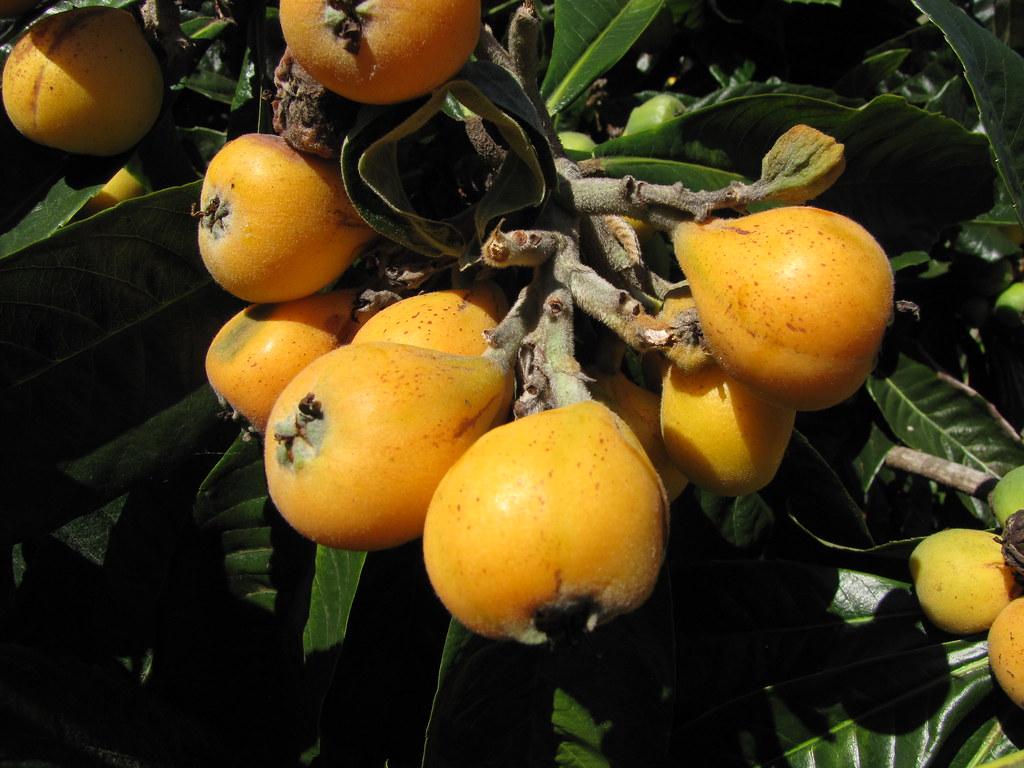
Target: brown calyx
[
  {"x": 307, "y": 115},
  {"x": 1012, "y": 540}
]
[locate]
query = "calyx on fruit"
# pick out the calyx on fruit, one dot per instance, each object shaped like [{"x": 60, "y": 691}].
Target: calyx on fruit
[
  {"x": 547, "y": 526},
  {"x": 381, "y": 51},
  {"x": 793, "y": 302},
  {"x": 359, "y": 439}
]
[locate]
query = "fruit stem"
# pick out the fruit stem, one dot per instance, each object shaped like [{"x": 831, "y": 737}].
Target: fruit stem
[
  {"x": 520, "y": 247},
  {"x": 613, "y": 307},
  {"x": 505, "y": 339},
  {"x": 662, "y": 206},
  {"x": 550, "y": 374},
  {"x": 607, "y": 238},
  {"x": 161, "y": 20},
  {"x": 801, "y": 165},
  {"x": 522, "y": 59}
]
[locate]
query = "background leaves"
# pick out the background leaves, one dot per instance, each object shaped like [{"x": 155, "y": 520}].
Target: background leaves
[
  {"x": 996, "y": 75},
  {"x": 589, "y": 38},
  {"x": 908, "y": 173}
]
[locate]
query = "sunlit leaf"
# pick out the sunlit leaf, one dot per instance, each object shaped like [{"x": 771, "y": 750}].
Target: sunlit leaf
[
  {"x": 105, "y": 326},
  {"x": 936, "y": 416},
  {"x": 908, "y": 173},
  {"x": 591, "y": 36}
]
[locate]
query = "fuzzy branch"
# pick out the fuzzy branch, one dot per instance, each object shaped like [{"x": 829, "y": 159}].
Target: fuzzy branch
[{"x": 943, "y": 471}]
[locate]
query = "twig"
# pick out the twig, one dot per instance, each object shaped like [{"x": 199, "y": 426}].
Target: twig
[
  {"x": 520, "y": 247},
  {"x": 663, "y": 206},
  {"x": 949, "y": 473},
  {"x": 489, "y": 49},
  {"x": 162, "y": 20}
]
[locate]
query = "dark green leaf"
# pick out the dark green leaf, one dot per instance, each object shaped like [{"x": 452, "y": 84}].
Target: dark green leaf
[
  {"x": 73, "y": 713},
  {"x": 261, "y": 552},
  {"x": 986, "y": 242},
  {"x": 590, "y": 37},
  {"x": 335, "y": 580},
  {"x": 269, "y": 565},
  {"x": 864, "y": 79},
  {"x": 373, "y": 178},
  {"x": 743, "y": 522},
  {"x": 871, "y": 458},
  {"x": 693, "y": 176},
  {"x": 811, "y": 492},
  {"x": 908, "y": 174},
  {"x": 105, "y": 326},
  {"x": 212, "y": 85},
  {"x": 802, "y": 665},
  {"x": 908, "y": 260},
  {"x": 995, "y": 73},
  {"x": 204, "y": 27},
  {"x": 49, "y": 214},
  {"x": 604, "y": 701},
  {"x": 936, "y": 415},
  {"x": 207, "y": 142},
  {"x": 772, "y": 87}
]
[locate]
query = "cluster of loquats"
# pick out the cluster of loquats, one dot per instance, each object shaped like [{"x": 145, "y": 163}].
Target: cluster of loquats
[
  {"x": 384, "y": 425},
  {"x": 792, "y": 305},
  {"x": 969, "y": 581},
  {"x": 557, "y": 521}
]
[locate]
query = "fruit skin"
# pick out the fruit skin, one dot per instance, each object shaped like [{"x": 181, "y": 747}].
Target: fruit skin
[
  {"x": 641, "y": 410},
  {"x": 84, "y": 81},
  {"x": 122, "y": 186},
  {"x": 558, "y": 516},
  {"x": 723, "y": 437},
  {"x": 653, "y": 112},
  {"x": 393, "y": 419},
  {"x": 450, "y": 321},
  {"x": 1008, "y": 495},
  {"x": 961, "y": 579},
  {"x": 577, "y": 142},
  {"x": 1009, "y": 306},
  {"x": 405, "y": 49},
  {"x": 277, "y": 224},
  {"x": 1006, "y": 650},
  {"x": 259, "y": 350},
  {"x": 793, "y": 301}
]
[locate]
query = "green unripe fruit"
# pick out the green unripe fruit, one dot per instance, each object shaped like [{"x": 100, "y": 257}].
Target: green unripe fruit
[
  {"x": 1009, "y": 308},
  {"x": 653, "y": 112},
  {"x": 1008, "y": 495},
  {"x": 575, "y": 141},
  {"x": 962, "y": 580}
]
